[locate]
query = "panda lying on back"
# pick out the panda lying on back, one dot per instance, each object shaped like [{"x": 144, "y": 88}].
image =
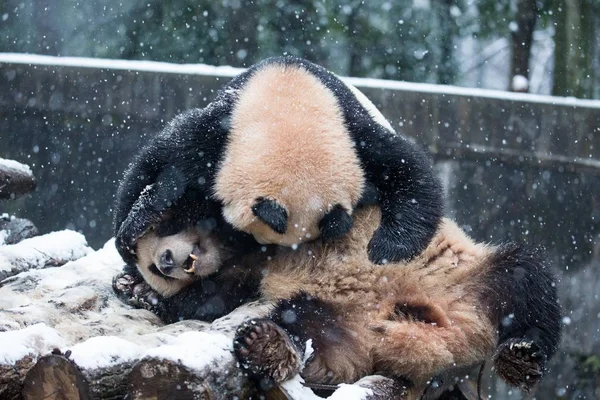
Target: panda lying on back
[
  {"x": 448, "y": 309},
  {"x": 285, "y": 153}
]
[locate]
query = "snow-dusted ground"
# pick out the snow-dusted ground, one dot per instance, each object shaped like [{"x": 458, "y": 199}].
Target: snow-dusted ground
[{"x": 73, "y": 307}]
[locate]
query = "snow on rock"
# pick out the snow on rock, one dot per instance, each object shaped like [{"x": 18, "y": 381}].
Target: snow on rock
[
  {"x": 42, "y": 251},
  {"x": 15, "y": 165},
  {"x": 3, "y": 236}
]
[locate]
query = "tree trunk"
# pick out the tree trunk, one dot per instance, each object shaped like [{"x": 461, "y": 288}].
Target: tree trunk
[
  {"x": 355, "y": 67},
  {"x": 574, "y": 49},
  {"x": 521, "y": 41},
  {"x": 447, "y": 67}
]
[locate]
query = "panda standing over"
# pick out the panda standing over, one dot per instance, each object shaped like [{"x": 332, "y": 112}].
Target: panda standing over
[{"x": 284, "y": 155}]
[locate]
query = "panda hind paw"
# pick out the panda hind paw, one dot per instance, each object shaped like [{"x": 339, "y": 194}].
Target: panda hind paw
[
  {"x": 520, "y": 362},
  {"x": 266, "y": 351}
]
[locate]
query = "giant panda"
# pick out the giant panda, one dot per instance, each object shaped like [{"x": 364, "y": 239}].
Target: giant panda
[
  {"x": 285, "y": 153},
  {"x": 452, "y": 306}
]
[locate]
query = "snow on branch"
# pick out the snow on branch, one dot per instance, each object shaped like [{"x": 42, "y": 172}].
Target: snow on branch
[
  {"x": 16, "y": 179},
  {"x": 13, "y": 230},
  {"x": 44, "y": 251}
]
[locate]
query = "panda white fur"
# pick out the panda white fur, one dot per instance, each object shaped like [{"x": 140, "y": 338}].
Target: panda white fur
[
  {"x": 449, "y": 308},
  {"x": 285, "y": 153}
]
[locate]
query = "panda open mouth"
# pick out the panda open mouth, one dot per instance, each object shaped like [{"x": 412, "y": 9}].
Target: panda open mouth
[
  {"x": 191, "y": 260},
  {"x": 190, "y": 263}
]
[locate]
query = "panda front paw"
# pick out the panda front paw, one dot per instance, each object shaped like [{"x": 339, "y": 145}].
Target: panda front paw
[
  {"x": 385, "y": 247},
  {"x": 133, "y": 290},
  {"x": 266, "y": 351},
  {"x": 336, "y": 223},
  {"x": 124, "y": 284},
  {"x": 520, "y": 362}
]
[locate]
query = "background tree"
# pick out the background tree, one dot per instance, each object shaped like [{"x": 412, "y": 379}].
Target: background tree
[
  {"x": 415, "y": 40},
  {"x": 576, "y": 47}
]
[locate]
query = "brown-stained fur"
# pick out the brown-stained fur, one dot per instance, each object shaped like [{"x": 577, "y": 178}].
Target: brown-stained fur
[
  {"x": 412, "y": 319},
  {"x": 288, "y": 148}
]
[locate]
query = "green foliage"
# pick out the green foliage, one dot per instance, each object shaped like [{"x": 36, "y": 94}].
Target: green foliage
[
  {"x": 375, "y": 38},
  {"x": 414, "y": 40}
]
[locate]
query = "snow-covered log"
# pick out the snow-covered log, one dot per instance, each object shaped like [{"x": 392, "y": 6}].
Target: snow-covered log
[
  {"x": 50, "y": 250},
  {"x": 13, "y": 230},
  {"x": 64, "y": 331},
  {"x": 73, "y": 307},
  {"x": 16, "y": 179}
]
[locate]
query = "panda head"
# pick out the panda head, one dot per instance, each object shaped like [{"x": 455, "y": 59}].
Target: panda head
[
  {"x": 170, "y": 263},
  {"x": 270, "y": 222},
  {"x": 290, "y": 172}
]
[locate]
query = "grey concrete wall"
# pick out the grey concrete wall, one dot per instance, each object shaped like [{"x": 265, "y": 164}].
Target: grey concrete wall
[{"x": 524, "y": 168}]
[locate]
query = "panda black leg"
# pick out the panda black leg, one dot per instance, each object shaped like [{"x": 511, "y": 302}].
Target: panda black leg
[
  {"x": 266, "y": 351},
  {"x": 524, "y": 301},
  {"x": 409, "y": 192},
  {"x": 386, "y": 247}
]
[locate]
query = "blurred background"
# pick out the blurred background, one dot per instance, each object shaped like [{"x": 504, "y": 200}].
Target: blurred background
[
  {"x": 474, "y": 43},
  {"x": 514, "y": 166}
]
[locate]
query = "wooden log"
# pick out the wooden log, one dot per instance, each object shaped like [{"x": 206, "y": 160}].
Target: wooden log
[
  {"x": 13, "y": 230},
  {"x": 16, "y": 179},
  {"x": 12, "y": 376},
  {"x": 56, "y": 377},
  {"x": 164, "y": 379}
]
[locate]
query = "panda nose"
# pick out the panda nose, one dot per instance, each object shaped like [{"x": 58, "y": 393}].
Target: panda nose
[{"x": 167, "y": 263}]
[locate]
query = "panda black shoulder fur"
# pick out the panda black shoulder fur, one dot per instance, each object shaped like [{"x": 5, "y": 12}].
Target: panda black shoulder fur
[
  {"x": 285, "y": 153},
  {"x": 448, "y": 309}
]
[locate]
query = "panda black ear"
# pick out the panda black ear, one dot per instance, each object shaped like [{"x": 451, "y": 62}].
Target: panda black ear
[
  {"x": 271, "y": 213},
  {"x": 336, "y": 223}
]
